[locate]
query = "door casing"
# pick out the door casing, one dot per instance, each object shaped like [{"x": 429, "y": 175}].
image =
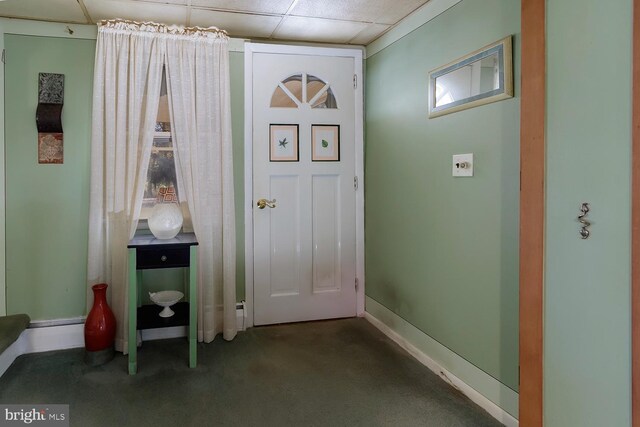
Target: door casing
[{"x": 356, "y": 54}]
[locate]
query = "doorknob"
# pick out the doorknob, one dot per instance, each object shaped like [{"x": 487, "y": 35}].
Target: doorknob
[{"x": 262, "y": 203}]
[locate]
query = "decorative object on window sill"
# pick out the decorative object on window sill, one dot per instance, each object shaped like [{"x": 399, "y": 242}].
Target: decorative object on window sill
[
  {"x": 99, "y": 329},
  {"x": 49, "y": 118},
  {"x": 283, "y": 143},
  {"x": 325, "y": 143},
  {"x": 166, "y": 299},
  {"x": 479, "y": 78},
  {"x": 165, "y": 220}
]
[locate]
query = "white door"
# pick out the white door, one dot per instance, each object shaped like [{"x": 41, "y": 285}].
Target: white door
[{"x": 304, "y": 161}]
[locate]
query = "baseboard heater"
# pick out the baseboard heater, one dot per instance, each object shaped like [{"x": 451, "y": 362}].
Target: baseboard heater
[{"x": 56, "y": 322}]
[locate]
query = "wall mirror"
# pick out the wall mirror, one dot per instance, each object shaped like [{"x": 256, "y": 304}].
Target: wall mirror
[{"x": 481, "y": 77}]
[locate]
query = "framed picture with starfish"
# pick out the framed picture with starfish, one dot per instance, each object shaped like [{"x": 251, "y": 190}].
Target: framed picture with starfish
[{"x": 283, "y": 143}]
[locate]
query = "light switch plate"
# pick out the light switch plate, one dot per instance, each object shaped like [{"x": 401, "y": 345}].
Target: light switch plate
[{"x": 462, "y": 165}]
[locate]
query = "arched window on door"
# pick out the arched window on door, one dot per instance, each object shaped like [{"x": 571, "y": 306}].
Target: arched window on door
[{"x": 300, "y": 89}]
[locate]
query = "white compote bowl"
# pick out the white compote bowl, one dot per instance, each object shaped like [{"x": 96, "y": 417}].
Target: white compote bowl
[{"x": 166, "y": 299}]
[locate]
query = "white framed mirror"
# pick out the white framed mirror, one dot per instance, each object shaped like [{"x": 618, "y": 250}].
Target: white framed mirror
[{"x": 479, "y": 78}]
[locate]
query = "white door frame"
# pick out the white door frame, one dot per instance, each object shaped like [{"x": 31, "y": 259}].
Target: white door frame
[{"x": 249, "y": 50}]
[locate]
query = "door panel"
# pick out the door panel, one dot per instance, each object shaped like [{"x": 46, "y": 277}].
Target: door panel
[
  {"x": 284, "y": 236},
  {"x": 326, "y": 233},
  {"x": 304, "y": 247}
]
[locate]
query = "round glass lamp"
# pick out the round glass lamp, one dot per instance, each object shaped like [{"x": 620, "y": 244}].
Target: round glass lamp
[{"x": 165, "y": 220}]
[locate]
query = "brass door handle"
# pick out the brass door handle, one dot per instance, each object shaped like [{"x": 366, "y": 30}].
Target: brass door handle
[{"x": 262, "y": 203}]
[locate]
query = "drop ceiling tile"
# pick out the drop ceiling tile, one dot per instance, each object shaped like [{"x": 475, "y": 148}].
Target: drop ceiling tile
[
  {"x": 369, "y": 34},
  {"x": 318, "y": 30},
  {"x": 47, "y": 10},
  {"x": 379, "y": 11},
  {"x": 276, "y": 7},
  {"x": 182, "y": 2},
  {"x": 137, "y": 11},
  {"x": 236, "y": 24}
]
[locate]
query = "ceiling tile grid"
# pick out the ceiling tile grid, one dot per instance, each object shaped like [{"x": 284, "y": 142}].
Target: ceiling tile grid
[
  {"x": 319, "y": 30},
  {"x": 331, "y": 21},
  {"x": 375, "y": 11},
  {"x": 137, "y": 11},
  {"x": 48, "y": 10},
  {"x": 369, "y": 34},
  {"x": 273, "y": 7},
  {"x": 236, "y": 24},
  {"x": 180, "y": 2}
]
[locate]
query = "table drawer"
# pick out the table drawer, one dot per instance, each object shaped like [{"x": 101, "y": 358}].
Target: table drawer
[{"x": 162, "y": 258}]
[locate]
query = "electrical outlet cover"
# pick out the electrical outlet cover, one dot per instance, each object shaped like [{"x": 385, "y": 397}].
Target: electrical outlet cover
[{"x": 462, "y": 165}]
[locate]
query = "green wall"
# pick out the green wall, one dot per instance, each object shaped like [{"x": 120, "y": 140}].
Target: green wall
[
  {"x": 442, "y": 252},
  {"x": 47, "y": 206},
  {"x": 236, "y": 66},
  {"x": 587, "y": 363}
]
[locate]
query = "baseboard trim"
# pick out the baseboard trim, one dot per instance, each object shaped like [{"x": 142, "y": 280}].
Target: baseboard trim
[
  {"x": 9, "y": 355},
  {"x": 241, "y": 316},
  {"x": 41, "y": 339},
  {"x": 56, "y": 322},
  {"x": 375, "y": 312},
  {"x": 50, "y": 335},
  {"x": 52, "y": 338}
]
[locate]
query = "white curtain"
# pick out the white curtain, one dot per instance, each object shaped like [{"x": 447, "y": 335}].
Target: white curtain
[
  {"x": 200, "y": 110},
  {"x": 127, "y": 80}
]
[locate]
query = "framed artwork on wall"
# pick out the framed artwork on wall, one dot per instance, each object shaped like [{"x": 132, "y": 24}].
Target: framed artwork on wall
[
  {"x": 325, "y": 143},
  {"x": 49, "y": 118},
  {"x": 283, "y": 143}
]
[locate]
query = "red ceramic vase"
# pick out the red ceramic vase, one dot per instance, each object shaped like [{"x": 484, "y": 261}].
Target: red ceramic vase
[{"x": 100, "y": 326}]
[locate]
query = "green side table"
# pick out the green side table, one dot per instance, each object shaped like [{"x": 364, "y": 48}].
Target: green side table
[{"x": 147, "y": 252}]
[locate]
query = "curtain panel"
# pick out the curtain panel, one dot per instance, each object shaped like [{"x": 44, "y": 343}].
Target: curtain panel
[{"x": 128, "y": 73}]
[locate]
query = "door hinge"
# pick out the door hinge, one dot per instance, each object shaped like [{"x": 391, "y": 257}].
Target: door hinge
[
  {"x": 357, "y": 284},
  {"x": 355, "y": 183},
  {"x": 3, "y": 56},
  {"x": 355, "y": 81}
]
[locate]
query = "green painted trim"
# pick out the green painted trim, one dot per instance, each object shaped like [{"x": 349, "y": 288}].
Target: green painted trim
[
  {"x": 133, "y": 308},
  {"x": 193, "y": 304},
  {"x": 483, "y": 383},
  {"x": 412, "y": 22}
]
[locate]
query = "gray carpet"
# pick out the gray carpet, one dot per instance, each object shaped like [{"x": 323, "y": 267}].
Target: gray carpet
[{"x": 331, "y": 373}]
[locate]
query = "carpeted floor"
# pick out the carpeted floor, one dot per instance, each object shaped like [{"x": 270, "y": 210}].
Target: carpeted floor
[{"x": 331, "y": 373}]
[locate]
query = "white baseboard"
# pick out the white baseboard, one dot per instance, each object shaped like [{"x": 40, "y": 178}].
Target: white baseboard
[
  {"x": 478, "y": 398},
  {"x": 41, "y": 339},
  {"x": 241, "y": 316},
  {"x": 9, "y": 355},
  {"x": 51, "y": 335},
  {"x": 51, "y": 338}
]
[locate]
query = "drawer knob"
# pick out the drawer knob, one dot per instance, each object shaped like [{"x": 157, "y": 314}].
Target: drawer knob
[{"x": 163, "y": 258}]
